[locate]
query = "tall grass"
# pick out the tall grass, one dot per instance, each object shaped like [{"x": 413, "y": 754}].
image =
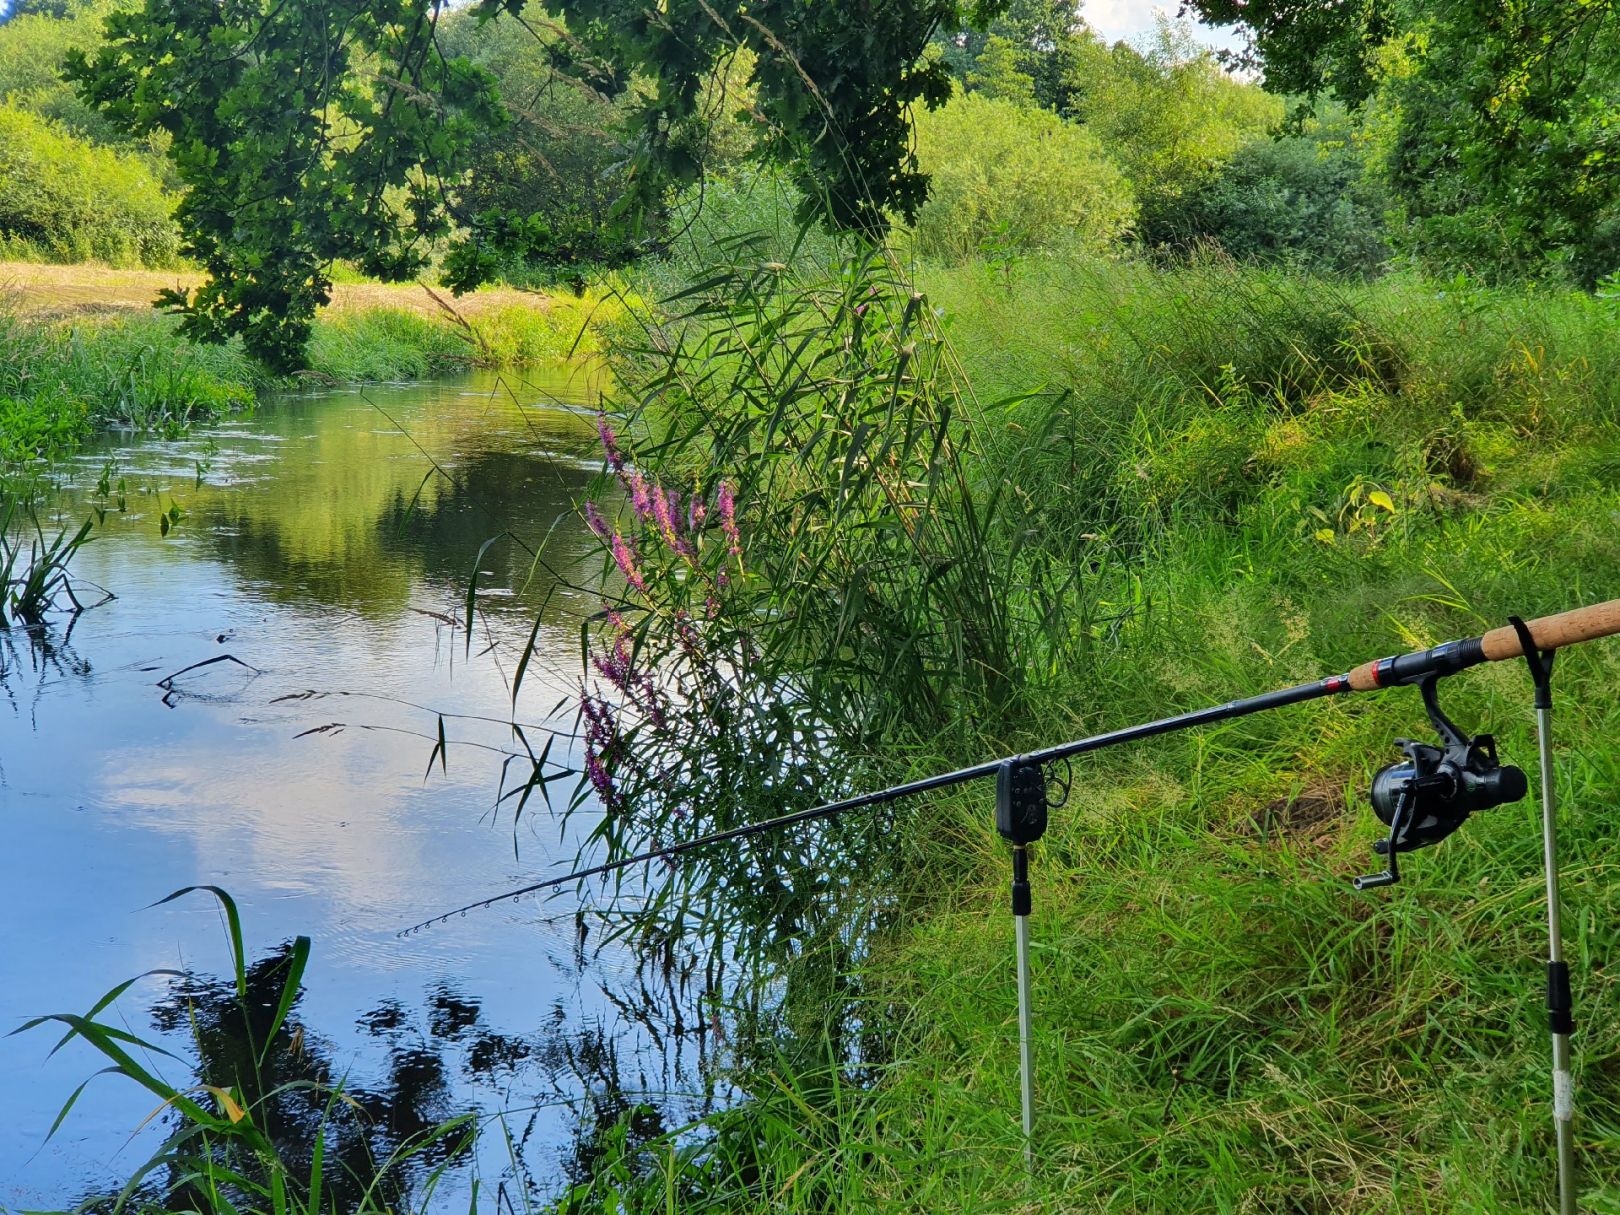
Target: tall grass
[{"x": 34, "y": 575}]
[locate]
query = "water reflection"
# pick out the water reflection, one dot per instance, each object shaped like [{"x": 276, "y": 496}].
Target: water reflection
[{"x": 430, "y": 1055}]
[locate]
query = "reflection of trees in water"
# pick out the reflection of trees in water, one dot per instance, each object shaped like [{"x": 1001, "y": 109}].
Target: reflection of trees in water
[
  {"x": 435, "y": 1060},
  {"x": 362, "y": 533},
  {"x": 494, "y": 489}
]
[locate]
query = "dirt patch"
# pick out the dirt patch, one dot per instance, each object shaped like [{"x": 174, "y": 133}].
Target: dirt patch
[
  {"x": 1311, "y": 815},
  {"x": 50, "y": 291}
]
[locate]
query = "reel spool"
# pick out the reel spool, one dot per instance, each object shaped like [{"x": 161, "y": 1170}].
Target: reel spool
[{"x": 1429, "y": 794}]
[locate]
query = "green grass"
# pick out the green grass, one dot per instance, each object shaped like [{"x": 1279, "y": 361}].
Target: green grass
[
  {"x": 1268, "y": 479},
  {"x": 62, "y": 380}
]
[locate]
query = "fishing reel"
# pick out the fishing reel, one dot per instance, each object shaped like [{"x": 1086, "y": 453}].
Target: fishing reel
[{"x": 1429, "y": 794}]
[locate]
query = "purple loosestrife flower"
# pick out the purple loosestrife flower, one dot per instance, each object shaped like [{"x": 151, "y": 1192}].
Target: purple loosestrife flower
[
  {"x": 610, "y": 443},
  {"x": 640, "y": 495},
  {"x": 600, "y": 736},
  {"x": 667, "y": 512},
  {"x": 728, "y": 517},
  {"x": 627, "y": 563},
  {"x": 594, "y": 521},
  {"x": 615, "y": 666},
  {"x": 652, "y": 706}
]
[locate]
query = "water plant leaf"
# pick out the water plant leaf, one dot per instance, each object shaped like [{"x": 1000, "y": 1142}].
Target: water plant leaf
[
  {"x": 297, "y": 960},
  {"x": 472, "y": 586},
  {"x": 233, "y": 921},
  {"x": 233, "y": 1109}
]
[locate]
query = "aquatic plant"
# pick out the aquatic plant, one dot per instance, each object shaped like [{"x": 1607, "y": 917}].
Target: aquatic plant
[
  {"x": 34, "y": 578},
  {"x": 264, "y": 1128}
]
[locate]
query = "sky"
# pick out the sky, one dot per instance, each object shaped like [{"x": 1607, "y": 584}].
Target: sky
[{"x": 1130, "y": 19}]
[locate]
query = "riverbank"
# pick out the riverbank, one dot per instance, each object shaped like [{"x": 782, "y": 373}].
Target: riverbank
[
  {"x": 1260, "y": 478},
  {"x": 81, "y": 348}
]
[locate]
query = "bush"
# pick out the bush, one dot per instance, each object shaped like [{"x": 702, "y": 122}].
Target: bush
[
  {"x": 64, "y": 200},
  {"x": 1295, "y": 200},
  {"x": 1016, "y": 179}
]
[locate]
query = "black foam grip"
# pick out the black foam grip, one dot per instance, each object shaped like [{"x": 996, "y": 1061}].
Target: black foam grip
[
  {"x": 1559, "y": 1002},
  {"x": 1021, "y": 900}
]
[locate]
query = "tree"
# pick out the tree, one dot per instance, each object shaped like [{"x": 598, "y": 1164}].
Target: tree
[
  {"x": 1504, "y": 115},
  {"x": 1017, "y": 178},
  {"x": 1169, "y": 115},
  {"x": 1034, "y": 40},
  {"x": 310, "y": 130}
]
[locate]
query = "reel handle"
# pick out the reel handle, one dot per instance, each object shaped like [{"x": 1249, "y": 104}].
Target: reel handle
[
  {"x": 1555, "y": 632},
  {"x": 1548, "y": 633}
]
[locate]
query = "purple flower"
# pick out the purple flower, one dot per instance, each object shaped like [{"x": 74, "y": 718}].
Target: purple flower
[
  {"x": 640, "y": 495},
  {"x": 594, "y": 521},
  {"x": 600, "y": 735},
  {"x": 610, "y": 443},
  {"x": 627, "y": 563},
  {"x": 728, "y": 517},
  {"x": 667, "y": 513}
]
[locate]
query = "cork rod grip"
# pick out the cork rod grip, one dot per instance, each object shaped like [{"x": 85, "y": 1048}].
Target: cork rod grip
[
  {"x": 1549, "y": 633},
  {"x": 1555, "y": 632}
]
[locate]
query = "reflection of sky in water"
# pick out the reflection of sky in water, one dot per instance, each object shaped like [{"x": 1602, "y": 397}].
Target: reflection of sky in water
[{"x": 314, "y": 550}]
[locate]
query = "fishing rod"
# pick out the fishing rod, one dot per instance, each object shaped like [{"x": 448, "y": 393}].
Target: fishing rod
[{"x": 1422, "y": 799}]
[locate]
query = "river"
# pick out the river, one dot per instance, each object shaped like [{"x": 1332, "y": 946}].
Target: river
[{"x": 324, "y": 543}]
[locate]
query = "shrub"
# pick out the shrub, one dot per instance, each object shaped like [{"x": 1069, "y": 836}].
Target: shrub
[
  {"x": 65, "y": 200},
  {"x": 1013, "y": 178},
  {"x": 1296, "y": 200}
]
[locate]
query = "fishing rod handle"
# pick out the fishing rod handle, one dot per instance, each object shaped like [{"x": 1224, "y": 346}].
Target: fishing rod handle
[{"x": 1548, "y": 633}]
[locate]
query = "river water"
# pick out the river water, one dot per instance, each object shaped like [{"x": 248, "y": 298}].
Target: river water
[{"x": 324, "y": 543}]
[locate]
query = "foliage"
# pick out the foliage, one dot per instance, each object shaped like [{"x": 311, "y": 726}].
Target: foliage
[
  {"x": 564, "y": 157},
  {"x": 62, "y": 379},
  {"x": 34, "y": 578},
  {"x": 1027, "y": 53},
  {"x": 1300, "y": 199},
  {"x": 65, "y": 200},
  {"x": 1503, "y": 117},
  {"x": 280, "y": 183},
  {"x": 1220, "y": 1023},
  {"x": 809, "y": 570},
  {"x": 1015, "y": 177},
  {"x": 232, "y": 1144},
  {"x": 34, "y": 47},
  {"x": 350, "y": 165},
  {"x": 1169, "y": 115},
  {"x": 756, "y": 210}
]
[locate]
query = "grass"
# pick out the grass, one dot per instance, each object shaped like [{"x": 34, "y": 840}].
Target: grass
[
  {"x": 81, "y": 351},
  {"x": 1266, "y": 479}
]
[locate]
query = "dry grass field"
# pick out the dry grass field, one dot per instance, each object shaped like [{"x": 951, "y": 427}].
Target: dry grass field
[{"x": 50, "y": 290}]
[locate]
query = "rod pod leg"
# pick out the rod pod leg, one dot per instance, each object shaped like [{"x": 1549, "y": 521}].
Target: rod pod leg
[
  {"x": 1026, "y": 1044},
  {"x": 1558, "y": 993},
  {"x": 1559, "y": 1002}
]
